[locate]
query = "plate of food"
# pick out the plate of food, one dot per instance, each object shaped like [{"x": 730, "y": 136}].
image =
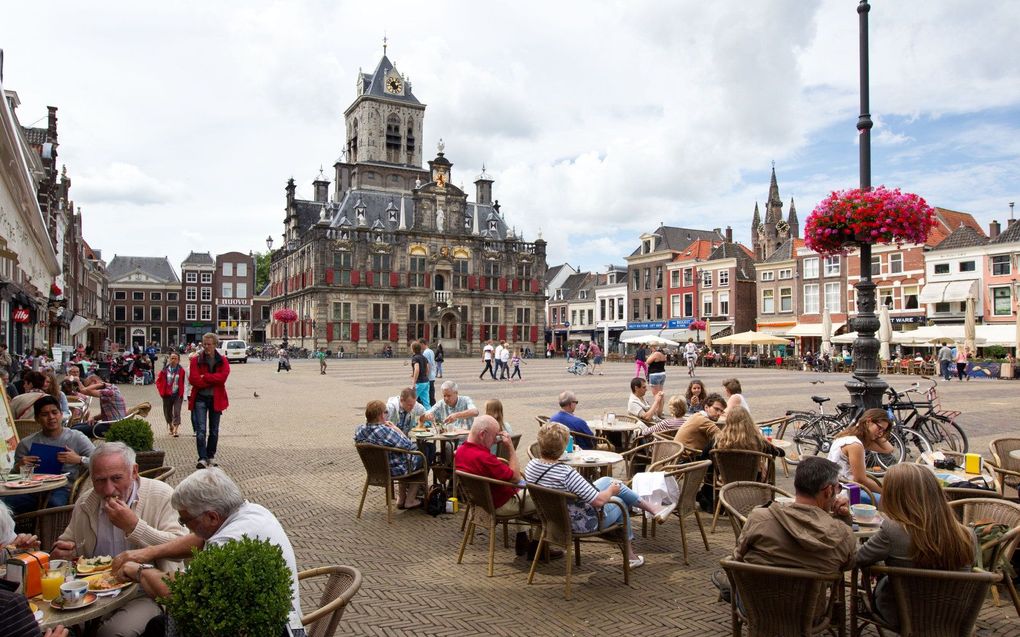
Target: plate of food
[
  {"x": 20, "y": 484},
  {"x": 48, "y": 477},
  {"x": 97, "y": 564},
  {"x": 105, "y": 583},
  {"x": 88, "y": 600}
]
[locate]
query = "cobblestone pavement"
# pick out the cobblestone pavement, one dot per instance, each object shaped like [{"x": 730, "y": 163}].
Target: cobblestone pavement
[{"x": 291, "y": 449}]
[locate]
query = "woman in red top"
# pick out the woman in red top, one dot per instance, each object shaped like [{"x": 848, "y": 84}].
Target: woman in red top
[{"x": 170, "y": 385}]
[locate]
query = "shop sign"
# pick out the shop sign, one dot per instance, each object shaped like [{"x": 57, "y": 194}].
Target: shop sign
[
  {"x": 647, "y": 325},
  {"x": 901, "y": 320},
  {"x": 20, "y": 315},
  {"x": 679, "y": 324}
]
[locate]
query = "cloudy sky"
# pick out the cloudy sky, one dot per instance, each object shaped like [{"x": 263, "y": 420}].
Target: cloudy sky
[{"x": 181, "y": 122}]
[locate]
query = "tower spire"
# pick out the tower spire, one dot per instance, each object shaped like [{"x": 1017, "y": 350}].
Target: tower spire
[
  {"x": 792, "y": 220},
  {"x": 384, "y": 41}
]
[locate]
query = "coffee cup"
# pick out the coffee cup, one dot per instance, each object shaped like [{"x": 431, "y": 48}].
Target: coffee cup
[
  {"x": 863, "y": 511},
  {"x": 73, "y": 592}
]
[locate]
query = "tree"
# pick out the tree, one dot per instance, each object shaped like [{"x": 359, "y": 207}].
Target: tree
[{"x": 262, "y": 260}]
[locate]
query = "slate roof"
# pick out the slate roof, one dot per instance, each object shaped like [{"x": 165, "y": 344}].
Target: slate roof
[
  {"x": 156, "y": 267},
  {"x": 577, "y": 282},
  {"x": 1010, "y": 234},
  {"x": 744, "y": 257},
  {"x": 786, "y": 251},
  {"x": 199, "y": 258},
  {"x": 676, "y": 239},
  {"x": 34, "y": 135},
  {"x": 963, "y": 237},
  {"x": 552, "y": 272},
  {"x": 372, "y": 84}
]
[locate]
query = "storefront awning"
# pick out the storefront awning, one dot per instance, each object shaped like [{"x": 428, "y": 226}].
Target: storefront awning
[
  {"x": 78, "y": 325},
  {"x": 948, "y": 292},
  {"x": 811, "y": 329}
]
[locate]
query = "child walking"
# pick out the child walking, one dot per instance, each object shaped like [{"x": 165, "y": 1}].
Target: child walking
[{"x": 515, "y": 366}]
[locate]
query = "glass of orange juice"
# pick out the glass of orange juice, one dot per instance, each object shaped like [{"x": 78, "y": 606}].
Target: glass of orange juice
[{"x": 51, "y": 582}]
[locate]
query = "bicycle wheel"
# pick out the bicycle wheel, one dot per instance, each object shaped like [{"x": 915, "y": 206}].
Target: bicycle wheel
[
  {"x": 943, "y": 433},
  {"x": 908, "y": 445},
  {"x": 814, "y": 437}
]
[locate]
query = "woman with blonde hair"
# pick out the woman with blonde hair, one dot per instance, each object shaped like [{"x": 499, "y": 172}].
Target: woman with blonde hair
[
  {"x": 847, "y": 450},
  {"x": 742, "y": 434},
  {"x": 678, "y": 415},
  {"x": 494, "y": 408},
  {"x": 919, "y": 531}
]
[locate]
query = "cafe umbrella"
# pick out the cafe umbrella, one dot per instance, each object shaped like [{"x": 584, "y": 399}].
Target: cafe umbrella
[
  {"x": 884, "y": 332},
  {"x": 826, "y": 332},
  {"x": 969, "y": 328}
]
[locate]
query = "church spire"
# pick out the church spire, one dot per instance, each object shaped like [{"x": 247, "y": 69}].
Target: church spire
[
  {"x": 774, "y": 205},
  {"x": 792, "y": 220},
  {"x": 755, "y": 220}
]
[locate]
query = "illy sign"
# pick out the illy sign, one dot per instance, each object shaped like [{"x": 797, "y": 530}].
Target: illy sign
[{"x": 20, "y": 315}]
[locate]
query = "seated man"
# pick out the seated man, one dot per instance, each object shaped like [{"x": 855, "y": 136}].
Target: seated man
[
  {"x": 111, "y": 408},
  {"x": 403, "y": 410},
  {"x": 122, "y": 511},
  {"x": 565, "y": 416},
  {"x": 699, "y": 430},
  {"x": 453, "y": 410},
  {"x": 32, "y": 384},
  {"x": 475, "y": 456},
  {"x": 74, "y": 451},
  {"x": 377, "y": 431},
  {"x": 638, "y": 406},
  {"x": 211, "y": 506}
]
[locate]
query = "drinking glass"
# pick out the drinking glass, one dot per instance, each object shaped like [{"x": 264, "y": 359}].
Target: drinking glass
[
  {"x": 51, "y": 582},
  {"x": 27, "y": 470}
]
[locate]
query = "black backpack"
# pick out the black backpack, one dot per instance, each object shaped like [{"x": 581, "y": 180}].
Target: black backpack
[{"x": 435, "y": 499}]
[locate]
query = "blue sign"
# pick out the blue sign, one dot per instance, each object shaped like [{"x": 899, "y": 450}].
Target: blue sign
[
  {"x": 647, "y": 325},
  {"x": 679, "y": 324}
]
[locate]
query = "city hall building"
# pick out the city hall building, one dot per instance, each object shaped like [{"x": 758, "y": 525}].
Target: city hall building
[{"x": 390, "y": 251}]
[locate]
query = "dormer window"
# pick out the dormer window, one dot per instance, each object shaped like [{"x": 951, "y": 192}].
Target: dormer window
[
  {"x": 559, "y": 295},
  {"x": 582, "y": 294},
  {"x": 345, "y": 235},
  {"x": 467, "y": 222},
  {"x": 493, "y": 225}
]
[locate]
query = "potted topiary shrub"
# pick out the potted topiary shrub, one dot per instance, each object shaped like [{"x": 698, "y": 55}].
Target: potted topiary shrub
[
  {"x": 238, "y": 589},
  {"x": 136, "y": 433}
]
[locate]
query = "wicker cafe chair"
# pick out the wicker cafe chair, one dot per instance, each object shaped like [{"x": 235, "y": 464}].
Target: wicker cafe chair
[
  {"x": 342, "y": 584},
  {"x": 784, "y": 601},
  {"x": 690, "y": 476},
  {"x": 80, "y": 485},
  {"x": 48, "y": 524},
  {"x": 26, "y": 427},
  {"x": 964, "y": 493},
  {"x": 501, "y": 451},
  {"x": 1006, "y": 467},
  {"x": 542, "y": 420},
  {"x": 551, "y": 506},
  {"x": 377, "y": 468},
  {"x": 1000, "y": 511},
  {"x": 478, "y": 492},
  {"x": 652, "y": 456},
  {"x": 864, "y": 489},
  {"x": 931, "y": 603},
  {"x": 161, "y": 474},
  {"x": 736, "y": 465},
  {"x": 740, "y": 498},
  {"x": 597, "y": 442}
]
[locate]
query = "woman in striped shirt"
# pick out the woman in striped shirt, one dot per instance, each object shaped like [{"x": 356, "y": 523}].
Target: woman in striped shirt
[{"x": 547, "y": 471}]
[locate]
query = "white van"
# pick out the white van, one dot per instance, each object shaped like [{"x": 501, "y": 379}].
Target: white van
[{"x": 233, "y": 350}]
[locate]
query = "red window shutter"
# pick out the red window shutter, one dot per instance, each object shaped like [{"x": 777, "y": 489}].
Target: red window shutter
[
  {"x": 472, "y": 282},
  {"x": 329, "y": 276},
  {"x": 355, "y": 277},
  {"x": 369, "y": 278},
  {"x": 513, "y": 334},
  {"x": 394, "y": 334},
  {"x": 426, "y": 330},
  {"x": 534, "y": 286},
  {"x": 394, "y": 279},
  {"x": 516, "y": 285},
  {"x": 354, "y": 331},
  {"x": 428, "y": 280},
  {"x": 502, "y": 284},
  {"x": 467, "y": 332},
  {"x": 502, "y": 332},
  {"x": 371, "y": 331},
  {"x": 329, "y": 331},
  {"x": 534, "y": 333}
]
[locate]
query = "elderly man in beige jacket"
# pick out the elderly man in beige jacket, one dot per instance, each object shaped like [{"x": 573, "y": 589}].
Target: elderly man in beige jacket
[{"x": 121, "y": 512}]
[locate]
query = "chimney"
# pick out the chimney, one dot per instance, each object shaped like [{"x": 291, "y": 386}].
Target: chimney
[
  {"x": 729, "y": 234},
  {"x": 321, "y": 187},
  {"x": 993, "y": 229}
]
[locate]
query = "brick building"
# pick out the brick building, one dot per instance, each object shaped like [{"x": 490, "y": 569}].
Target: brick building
[
  {"x": 726, "y": 289},
  {"x": 196, "y": 299},
  {"x": 233, "y": 289}
]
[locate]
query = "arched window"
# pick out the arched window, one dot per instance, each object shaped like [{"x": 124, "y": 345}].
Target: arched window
[
  {"x": 393, "y": 138},
  {"x": 352, "y": 143},
  {"x": 410, "y": 140}
]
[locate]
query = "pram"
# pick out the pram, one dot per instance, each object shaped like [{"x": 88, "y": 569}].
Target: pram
[{"x": 578, "y": 366}]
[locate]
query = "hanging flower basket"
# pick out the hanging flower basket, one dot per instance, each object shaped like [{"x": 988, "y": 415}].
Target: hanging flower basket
[
  {"x": 696, "y": 325},
  {"x": 286, "y": 315},
  {"x": 849, "y": 218}
]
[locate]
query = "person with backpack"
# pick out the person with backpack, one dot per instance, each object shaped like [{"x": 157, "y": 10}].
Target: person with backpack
[{"x": 378, "y": 431}]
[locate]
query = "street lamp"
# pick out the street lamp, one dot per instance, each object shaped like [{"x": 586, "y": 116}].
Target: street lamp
[
  {"x": 866, "y": 388},
  {"x": 269, "y": 246}
]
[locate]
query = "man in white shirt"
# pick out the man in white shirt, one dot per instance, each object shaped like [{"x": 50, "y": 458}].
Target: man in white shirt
[
  {"x": 487, "y": 358},
  {"x": 211, "y": 506},
  {"x": 504, "y": 362},
  {"x": 497, "y": 361}
]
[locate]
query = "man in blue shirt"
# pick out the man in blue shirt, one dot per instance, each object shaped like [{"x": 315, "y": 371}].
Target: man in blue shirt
[
  {"x": 430, "y": 356},
  {"x": 565, "y": 416}
]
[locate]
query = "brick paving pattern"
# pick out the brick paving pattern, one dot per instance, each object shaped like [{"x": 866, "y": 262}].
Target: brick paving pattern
[{"x": 291, "y": 450}]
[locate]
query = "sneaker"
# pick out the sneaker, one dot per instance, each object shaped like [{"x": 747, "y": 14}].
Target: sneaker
[
  {"x": 637, "y": 562},
  {"x": 662, "y": 516},
  {"x": 212, "y": 463},
  {"x": 202, "y": 464},
  {"x": 722, "y": 582}
]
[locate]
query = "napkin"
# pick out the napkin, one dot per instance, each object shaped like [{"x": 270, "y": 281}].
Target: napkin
[{"x": 656, "y": 487}]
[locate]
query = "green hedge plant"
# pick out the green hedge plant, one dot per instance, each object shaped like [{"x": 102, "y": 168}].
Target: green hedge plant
[
  {"x": 135, "y": 432},
  {"x": 238, "y": 589}
]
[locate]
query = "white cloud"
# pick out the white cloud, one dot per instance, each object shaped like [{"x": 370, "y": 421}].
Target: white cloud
[{"x": 121, "y": 183}]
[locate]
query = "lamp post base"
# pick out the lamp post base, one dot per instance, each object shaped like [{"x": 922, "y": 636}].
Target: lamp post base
[{"x": 866, "y": 393}]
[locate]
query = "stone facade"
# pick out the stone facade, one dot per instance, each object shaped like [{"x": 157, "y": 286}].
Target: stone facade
[
  {"x": 399, "y": 252},
  {"x": 145, "y": 297}
]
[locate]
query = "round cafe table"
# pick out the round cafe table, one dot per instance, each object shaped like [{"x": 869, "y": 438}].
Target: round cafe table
[
  {"x": 72, "y": 617},
  {"x": 592, "y": 462},
  {"x": 42, "y": 489},
  {"x": 1015, "y": 454},
  {"x": 624, "y": 428}
]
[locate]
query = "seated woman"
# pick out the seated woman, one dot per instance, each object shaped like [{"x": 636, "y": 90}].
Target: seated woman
[
  {"x": 547, "y": 471},
  {"x": 848, "y": 448},
  {"x": 919, "y": 531},
  {"x": 734, "y": 395},
  {"x": 52, "y": 387},
  {"x": 494, "y": 408},
  {"x": 678, "y": 415},
  {"x": 696, "y": 395},
  {"x": 377, "y": 431},
  {"x": 740, "y": 433}
]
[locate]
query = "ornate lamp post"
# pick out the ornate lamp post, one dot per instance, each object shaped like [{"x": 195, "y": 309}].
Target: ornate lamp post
[
  {"x": 269, "y": 246},
  {"x": 866, "y": 388}
]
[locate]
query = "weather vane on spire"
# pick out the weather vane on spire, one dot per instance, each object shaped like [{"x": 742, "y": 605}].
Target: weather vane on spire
[{"x": 384, "y": 40}]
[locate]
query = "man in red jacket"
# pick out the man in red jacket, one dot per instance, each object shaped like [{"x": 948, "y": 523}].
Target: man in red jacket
[{"x": 208, "y": 378}]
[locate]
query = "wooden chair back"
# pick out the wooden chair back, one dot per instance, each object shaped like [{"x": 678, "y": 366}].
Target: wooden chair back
[
  {"x": 377, "y": 463},
  {"x": 26, "y": 427},
  {"x": 963, "y": 493},
  {"x": 551, "y": 505},
  {"x": 478, "y": 491},
  {"x": 533, "y": 451},
  {"x": 689, "y": 477},
  {"x": 937, "y": 603},
  {"x": 342, "y": 584},
  {"x": 783, "y": 601},
  {"x": 997, "y": 510},
  {"x": 542, "y": 420},
  {"x": 48, "y": 524},
  {"x": 735, "y": 465},
  {"x": 161, "y": 474},
  {"x": 81, "y": 484},
  {"x": 739, "y": 498},
  {"x": 501, "y": 451},
  {"x": 1005, "y": 466}
]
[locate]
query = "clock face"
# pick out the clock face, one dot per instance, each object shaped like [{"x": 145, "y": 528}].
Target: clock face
[{"x": 394, "y": 85}]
